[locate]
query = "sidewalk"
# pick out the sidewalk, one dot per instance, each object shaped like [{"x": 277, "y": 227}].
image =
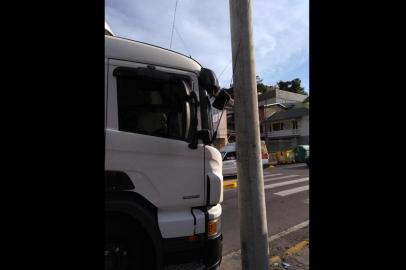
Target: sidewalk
[
  {"x": 287, "y": 253},
  {"x": 294, "y": 261}
]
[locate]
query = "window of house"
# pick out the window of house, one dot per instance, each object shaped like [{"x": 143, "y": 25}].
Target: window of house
[
  {"x": 294, "y": 124},
  {"x": 277, "y": 126},
  {"x": 152, "y": 107}
]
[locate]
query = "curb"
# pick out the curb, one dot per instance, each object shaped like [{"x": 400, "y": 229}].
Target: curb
[
  {"x": 230, "y": 184},
  {"x": 234, "y": 258},
  {"x": 296, "y": 248},
  {"x": 274, "y": 259},
  {"x": 291, "y": 251}
]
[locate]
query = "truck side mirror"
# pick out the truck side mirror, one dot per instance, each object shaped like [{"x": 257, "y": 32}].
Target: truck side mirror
[
  {"x": 221, "y": 100},
  {"x": 204, "y": 134},
  {"x": 208, "y": 79}
]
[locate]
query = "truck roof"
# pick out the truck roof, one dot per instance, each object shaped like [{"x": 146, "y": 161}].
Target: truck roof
[
  {"x": 135, "y": 51},
  {"x": 107, "y": 29}
]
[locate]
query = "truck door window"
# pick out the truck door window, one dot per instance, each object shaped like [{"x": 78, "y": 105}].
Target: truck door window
[{"x": 152, "y": 107}]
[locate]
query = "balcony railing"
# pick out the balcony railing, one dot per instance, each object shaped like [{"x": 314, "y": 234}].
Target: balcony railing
[{"x": 281, "y": 133}]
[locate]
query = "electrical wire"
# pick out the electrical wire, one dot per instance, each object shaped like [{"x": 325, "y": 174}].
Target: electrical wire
[
  {"x": 225, "y": 69},
  {"x": 173, "y": 24},
  {"x": 183, "y": 42}
]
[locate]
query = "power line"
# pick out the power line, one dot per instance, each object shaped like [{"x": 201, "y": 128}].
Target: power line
[
  {"x": 173, "y": 24},
  {"x": 225, "y": 68},
  {"x": 183, "y": 42}
]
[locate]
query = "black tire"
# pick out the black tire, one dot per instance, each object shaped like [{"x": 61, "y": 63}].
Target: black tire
[{"x": 127, "y": 247}]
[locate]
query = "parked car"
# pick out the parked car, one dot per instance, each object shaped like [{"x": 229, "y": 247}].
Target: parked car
[
  {"x": 308, "y": 161},
  {"x": 229, "y": 163},
  {"x": 264, "y": 155},
  {"x": 301, "y": 153},
  {"x": 229, "y": 155},
  {"x": 272, "y": 158},
  {"x": 285, "y": 156}
]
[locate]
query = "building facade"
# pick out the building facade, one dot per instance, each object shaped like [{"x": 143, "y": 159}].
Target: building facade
[
  {"x": 287, "y": 128},
  {"x": 279, "y": 96},
  {"x": 220, "y": 121},
  {"x": 279, "y": 129}
]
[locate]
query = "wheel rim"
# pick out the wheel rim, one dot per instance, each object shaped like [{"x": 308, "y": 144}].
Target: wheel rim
[{"x": 115, "y": 256}]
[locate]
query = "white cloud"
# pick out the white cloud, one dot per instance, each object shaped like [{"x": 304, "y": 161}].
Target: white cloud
[{"x": 280, "y": 32}]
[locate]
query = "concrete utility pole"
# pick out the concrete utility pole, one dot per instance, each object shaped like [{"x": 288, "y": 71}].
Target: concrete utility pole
[{"x": 251, "y": 196}]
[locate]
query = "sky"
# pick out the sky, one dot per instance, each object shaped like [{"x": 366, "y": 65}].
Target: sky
[{"x": 202, "y": 30}]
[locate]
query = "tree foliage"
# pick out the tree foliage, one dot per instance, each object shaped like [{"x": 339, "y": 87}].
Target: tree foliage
[
  {"x": 292, "y": 86},
  {"x": 261, "y": 88}
]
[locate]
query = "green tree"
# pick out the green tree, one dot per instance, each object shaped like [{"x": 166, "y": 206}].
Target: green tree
[
  {"x": 261, "y": 88},
  {"x": 284, "y": 85},
  {"x": 292, "y": 86}
]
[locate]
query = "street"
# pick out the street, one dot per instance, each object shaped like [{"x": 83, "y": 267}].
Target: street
[{"x": 287, "y": 205}]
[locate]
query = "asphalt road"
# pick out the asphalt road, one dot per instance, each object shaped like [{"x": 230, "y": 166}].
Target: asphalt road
[{"x": 287, "y": 205}]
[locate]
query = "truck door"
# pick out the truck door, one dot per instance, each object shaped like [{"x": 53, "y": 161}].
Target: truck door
[{"x": 148, "y": 132}]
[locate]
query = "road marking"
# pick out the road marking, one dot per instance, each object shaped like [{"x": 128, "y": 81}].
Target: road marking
[
  {"x": 274, "y": 259},
  {"x": 269, "y": 175},
  {"x": 293, "y": 166},
  {"x": 292, "y": 250},
  {"x": 306, "y": 201},
  {"x": 265, "y": 176},
  {"x": 297, "y": 227},
  {"x": 304, "y": 179},
  {"x": 272, "y": 238},
  {"x": 232, "y": 184},
  {"x": 292, "y": 191},
  {"x": 296, "y": 248},
  {"x": 282, "y": 177}
]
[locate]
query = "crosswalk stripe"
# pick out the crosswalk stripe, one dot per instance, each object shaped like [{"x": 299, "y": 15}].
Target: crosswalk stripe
[
  {"x": 281, "y": 177},
  {"x": 306, "y": 201},
  {"x": 268, "y": 180},
  {"x": 270, "y": 175},
  {"x": 291, "y": 166},
  {"x": 286, "y": 183},
  {"x": 292, "y": 191}
]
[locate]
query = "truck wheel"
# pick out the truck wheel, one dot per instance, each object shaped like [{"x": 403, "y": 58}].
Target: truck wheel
[{"x": 126, "y": 247}]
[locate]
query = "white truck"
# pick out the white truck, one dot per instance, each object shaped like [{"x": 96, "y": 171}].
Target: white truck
[{"x": 163, "y": 180}]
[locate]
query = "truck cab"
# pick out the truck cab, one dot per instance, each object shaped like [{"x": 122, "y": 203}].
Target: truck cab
[{"x": 163, "y": 179}]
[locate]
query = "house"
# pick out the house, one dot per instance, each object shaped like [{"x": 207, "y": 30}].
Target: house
[
  {"x": 287, "y": 128},
  {"x": 276, "y": 95},
  {"x": 271, "y": 106},
  {"x": 220, "y": 121}
]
